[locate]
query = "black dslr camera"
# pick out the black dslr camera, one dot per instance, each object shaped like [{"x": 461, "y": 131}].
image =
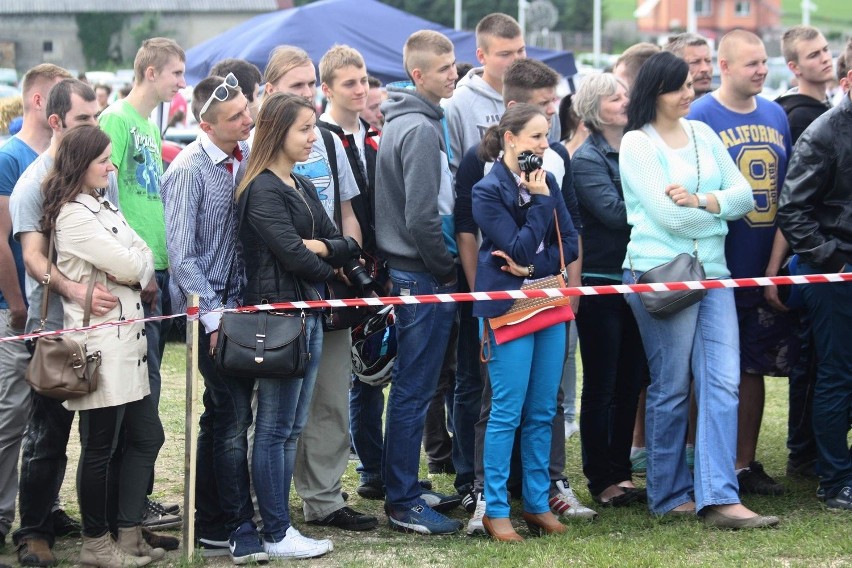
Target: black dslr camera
[
  {"x": 529, "y": 162},
  {"x": 355, "y": 271}
]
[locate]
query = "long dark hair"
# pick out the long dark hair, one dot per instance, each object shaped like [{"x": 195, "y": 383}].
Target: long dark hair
[
  {"x": 662, "y": 73},
  {"x": 514, "y": 120},
  {"x": 80, "y": 147},
  {"x": 277, "y": 115}
]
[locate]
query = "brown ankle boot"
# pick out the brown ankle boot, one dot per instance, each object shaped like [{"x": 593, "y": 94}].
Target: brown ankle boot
[
  {"x": 501, "y": 529},
  {"x": 131, "y": 541},
  {"x": 103, "y": 552},
  {"x": 543, "y": 523}
]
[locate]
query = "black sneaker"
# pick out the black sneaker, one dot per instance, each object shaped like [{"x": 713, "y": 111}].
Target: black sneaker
[
  {"x": 164, "y": 541},
  {"x": 755, "y": 481},
  {"x": 348, "y": 519},
  {"x": 371, "y": 490},
  {"x": 156, "y": 517},
  {"x": 842, "y": 501},
  {"x": 439, "y": 502},
  {"x": 63, "y": 525},
  {"x": 469, "y": 501},
  {"x": 806, "y": 468}
]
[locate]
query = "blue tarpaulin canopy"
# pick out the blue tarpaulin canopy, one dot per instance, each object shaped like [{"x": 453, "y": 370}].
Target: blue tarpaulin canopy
[{"x": 376, "y": 30}]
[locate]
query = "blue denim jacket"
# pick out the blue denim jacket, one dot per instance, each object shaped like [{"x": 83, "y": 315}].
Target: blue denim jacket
[{"x": 598, "y": 185}]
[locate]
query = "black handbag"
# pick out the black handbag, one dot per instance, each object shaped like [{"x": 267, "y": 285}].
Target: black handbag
[
  {"x": 262, "y": 345},
  {"x": 684, "y": 267}
]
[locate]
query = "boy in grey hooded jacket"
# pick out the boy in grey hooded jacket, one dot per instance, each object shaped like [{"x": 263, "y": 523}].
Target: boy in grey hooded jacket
[{"x": 414, "y": 232}]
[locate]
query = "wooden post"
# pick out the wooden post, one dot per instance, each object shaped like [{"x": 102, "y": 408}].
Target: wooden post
[{"x": 190, "y": 432}]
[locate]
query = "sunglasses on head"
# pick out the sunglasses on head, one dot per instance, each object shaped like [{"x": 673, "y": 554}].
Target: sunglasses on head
[{"x": 220, "y": 93}]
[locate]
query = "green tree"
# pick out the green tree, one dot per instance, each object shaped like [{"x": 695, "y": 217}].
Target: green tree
[
  {"x": 95, "y": 31},
  {"x": 577, "y": 15}
]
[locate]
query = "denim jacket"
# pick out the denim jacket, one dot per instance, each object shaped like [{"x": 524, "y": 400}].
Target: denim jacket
[{"x": 598, "y": 185}]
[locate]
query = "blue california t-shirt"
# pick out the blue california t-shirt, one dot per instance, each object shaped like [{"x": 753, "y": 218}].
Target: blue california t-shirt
[
  {"x": 759, "y": 144},
  {"x": 15, "y": 157}
]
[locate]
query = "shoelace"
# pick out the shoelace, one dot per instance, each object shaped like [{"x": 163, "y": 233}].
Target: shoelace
[{"x": 157, "y": 508}]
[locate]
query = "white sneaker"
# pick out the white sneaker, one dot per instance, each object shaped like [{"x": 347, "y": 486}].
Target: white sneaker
[
  {"x": 571, "y": 428},
  {"x": 294, "y": 545},
  {"x": 474, "y": 525},
  {"x": 566, "y": 504}
]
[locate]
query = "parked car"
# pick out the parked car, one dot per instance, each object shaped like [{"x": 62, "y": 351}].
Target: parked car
[{"x": 8, "y": 76}]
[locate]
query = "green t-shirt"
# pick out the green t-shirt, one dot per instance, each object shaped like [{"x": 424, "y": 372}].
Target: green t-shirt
[{"x": 136, "y": 148}]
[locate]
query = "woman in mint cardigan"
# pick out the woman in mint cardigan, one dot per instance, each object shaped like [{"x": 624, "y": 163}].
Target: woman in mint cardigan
[{"x": 680, "y": 189}]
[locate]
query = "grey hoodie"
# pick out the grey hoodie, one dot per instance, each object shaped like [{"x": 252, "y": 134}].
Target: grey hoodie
[
  {"x": 474, "y": 106},
  {"x": 414, "y": 187}
]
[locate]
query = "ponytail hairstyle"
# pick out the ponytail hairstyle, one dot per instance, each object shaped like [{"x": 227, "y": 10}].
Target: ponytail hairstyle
[{"x": 514, "y": 120}]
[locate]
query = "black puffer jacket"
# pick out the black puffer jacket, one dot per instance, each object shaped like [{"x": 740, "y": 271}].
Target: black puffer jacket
[
  {"x": 275, "y": 219},
  {"x": 815, "y": 204}
]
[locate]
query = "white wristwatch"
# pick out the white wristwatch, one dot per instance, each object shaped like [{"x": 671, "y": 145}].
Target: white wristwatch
[{"x": 702, "y": 200}]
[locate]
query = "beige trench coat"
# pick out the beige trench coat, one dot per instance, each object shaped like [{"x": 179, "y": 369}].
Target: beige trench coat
[{"x": 90, "y": 232}]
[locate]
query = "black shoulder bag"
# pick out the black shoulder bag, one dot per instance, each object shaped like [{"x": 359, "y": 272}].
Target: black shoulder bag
[
  {"x": 684, "y": 267},
  {"x": 266, "y": 344}
]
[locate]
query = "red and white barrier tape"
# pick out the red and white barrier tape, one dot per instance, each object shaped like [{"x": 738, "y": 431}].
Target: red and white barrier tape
[{"x": 193, "y": 313}]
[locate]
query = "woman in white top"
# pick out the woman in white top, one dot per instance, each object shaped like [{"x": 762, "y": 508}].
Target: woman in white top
[
  {"x": 680, "y": 189},
  {"x": 93, "y": 240}
]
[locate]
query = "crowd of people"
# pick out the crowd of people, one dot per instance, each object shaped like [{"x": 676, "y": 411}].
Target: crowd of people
[{"x": 440, "y": 184}]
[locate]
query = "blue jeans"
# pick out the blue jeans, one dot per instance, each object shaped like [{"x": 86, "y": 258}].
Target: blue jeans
[
  {"x": 467, "y": 403},
  {"x": 223, "y": 501},
  {"x": 422, "y": 331},
  {"x": 702, "y": 339},
  {"x": 366, "y": 405},
  {"x": 156, "y": 332},
  {"x": 525, "y": 376},
  {"x": 282, "y": 411},
  {"x": 569, "y": 374},
  {"x": 830, "y": 308}
]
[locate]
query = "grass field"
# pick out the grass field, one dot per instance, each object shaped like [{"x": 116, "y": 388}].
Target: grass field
[
  {"x": 830, "y": 14},
  {"x": 809, "y": 535}
]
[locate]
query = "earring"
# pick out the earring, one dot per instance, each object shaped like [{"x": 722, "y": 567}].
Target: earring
[{"x": 511, "y": 145}]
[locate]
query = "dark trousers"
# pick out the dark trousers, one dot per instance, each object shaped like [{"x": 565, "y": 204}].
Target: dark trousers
[
  {"x": 800, "y": 432},
  {"x": 136, "y": 426},
  {"x": 43, "y": 462},
  {"x": 614, "y": 368}
]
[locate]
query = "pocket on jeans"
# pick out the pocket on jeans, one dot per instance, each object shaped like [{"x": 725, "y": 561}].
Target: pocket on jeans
[{"x": 404, "y": 315}]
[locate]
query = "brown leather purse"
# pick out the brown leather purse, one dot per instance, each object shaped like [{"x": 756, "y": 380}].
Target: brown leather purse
[{"x": 61, "y": 367}]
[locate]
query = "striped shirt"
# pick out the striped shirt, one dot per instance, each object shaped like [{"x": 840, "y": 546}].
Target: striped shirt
[{"x": 201, "y": 228}]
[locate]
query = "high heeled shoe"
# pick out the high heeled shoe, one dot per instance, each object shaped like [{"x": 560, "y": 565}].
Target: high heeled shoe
[
  {"x": 543, "y": 523},
  {"x": 501, "y": 529}
]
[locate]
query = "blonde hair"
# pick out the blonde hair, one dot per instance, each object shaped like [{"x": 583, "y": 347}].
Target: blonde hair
[
  {"x": 338, "y": 57},
  {"x": 794, "y": 35},
  {"x": 277, "y": 115},
  {"x": 155, "y": 52},
  {"x": 45, "y": 72},
  {"x": 282, "y": 60},
  {"x": 422, "y": 45},
  {"x": 732, "y": 39},
  {"x": 496, "y": 25}
]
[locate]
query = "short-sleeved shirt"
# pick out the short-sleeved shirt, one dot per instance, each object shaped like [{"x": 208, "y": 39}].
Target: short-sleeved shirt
[
  {"x": 26, "y": 205},
  {"x": 15, "y": 157},
  {"x": 136, "y": 146},
  {"x": 759, "y": 144},
  {"x": 317, "y": 168}
]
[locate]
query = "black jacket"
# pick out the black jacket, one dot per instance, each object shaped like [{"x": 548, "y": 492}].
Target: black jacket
[
  {"x": 275, "y": 217},
  {"x": 362, "y": 204},
  {"x": 815, "y": 205},
  {"x": 801, "y": 111}
]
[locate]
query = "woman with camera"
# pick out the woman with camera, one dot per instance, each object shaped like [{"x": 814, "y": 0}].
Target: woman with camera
[
  {"x": 614, "y": 367},
  {"x": 516, "y": 206},
  {"x": 94, "y": 242},
  {"x": 291, "y": 247},
  {"x": 680, "y": 189}
]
